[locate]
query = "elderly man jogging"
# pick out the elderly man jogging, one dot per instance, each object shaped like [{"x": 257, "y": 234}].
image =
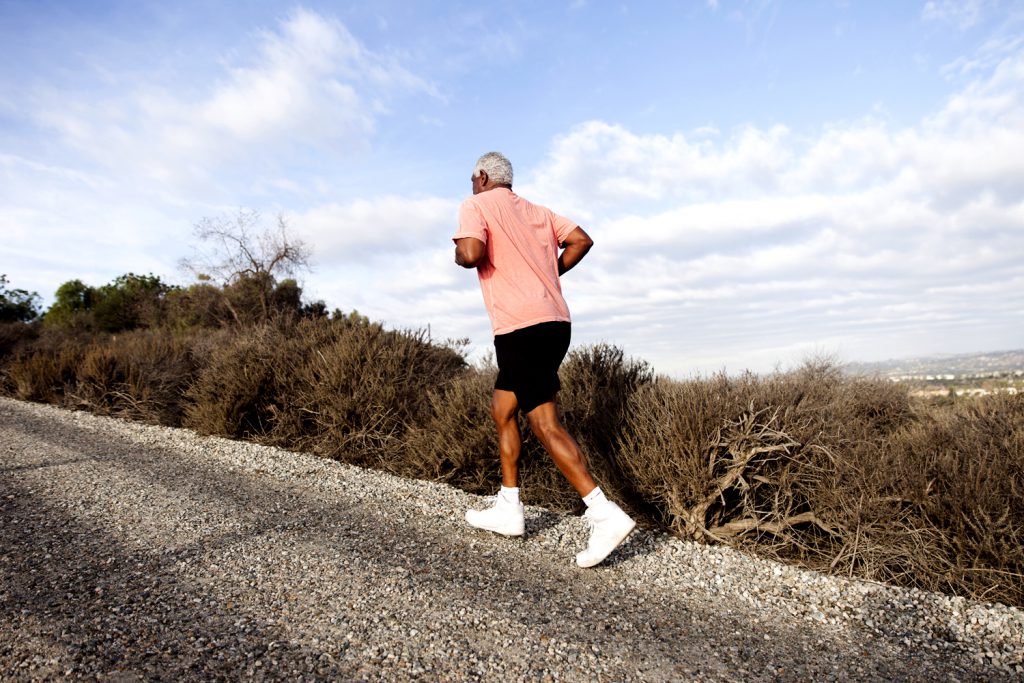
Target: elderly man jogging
[{"x": 514, "y": 245}]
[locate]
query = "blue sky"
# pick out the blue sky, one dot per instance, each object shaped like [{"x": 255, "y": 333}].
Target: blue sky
[{"x": 764, "y": 180}]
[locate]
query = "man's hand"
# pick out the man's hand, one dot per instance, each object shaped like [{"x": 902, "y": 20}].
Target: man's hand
[
  {"x": 470, "y": 252},
  {"x": 576, "y": 246}
]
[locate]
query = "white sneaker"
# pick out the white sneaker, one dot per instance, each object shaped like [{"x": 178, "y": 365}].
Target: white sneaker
[
  {"x": 507, "y": 519},
  {"x": 609, "y": 527}
]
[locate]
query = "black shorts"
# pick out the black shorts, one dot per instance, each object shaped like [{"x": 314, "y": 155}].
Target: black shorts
[{"x": 528, "y": 361}]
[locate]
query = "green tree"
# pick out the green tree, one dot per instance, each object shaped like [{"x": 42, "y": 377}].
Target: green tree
[
  {"x": 199, "y": 305},
  {"x": 286, "y": 299},
  {"x": 130, "y": 301},
  {"x": 73, "y": 301},
  {"x": 315, "y": 309},
  {"x": 17, "y": 305}
]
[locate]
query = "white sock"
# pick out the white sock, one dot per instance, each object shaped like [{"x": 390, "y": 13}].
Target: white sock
[
  {"x": 595, "y": 497},
  {"x": 510, "y": 494}
]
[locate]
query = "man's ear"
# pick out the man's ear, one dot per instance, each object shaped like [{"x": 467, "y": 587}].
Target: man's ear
[{"x": 483, "y": 178}]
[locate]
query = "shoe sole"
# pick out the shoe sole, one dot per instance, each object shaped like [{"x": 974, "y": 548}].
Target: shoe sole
[
  {"x": 618, "y": 541},
  {"x": 500, "y": 531},
  {"x": 504, "y": 532}
]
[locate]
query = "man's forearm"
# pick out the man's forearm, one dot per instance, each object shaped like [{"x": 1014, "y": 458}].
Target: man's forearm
[
  {"x": 570, "y": 256},
  {"x": 469, "y": 252},
  {"x": 576, "y": 246}
]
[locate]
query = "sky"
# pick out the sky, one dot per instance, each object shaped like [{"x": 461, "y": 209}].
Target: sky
[{"x": 765, "y": 181}]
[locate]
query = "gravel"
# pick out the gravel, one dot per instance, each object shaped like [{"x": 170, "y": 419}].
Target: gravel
[{"x": 134, "y": 552}]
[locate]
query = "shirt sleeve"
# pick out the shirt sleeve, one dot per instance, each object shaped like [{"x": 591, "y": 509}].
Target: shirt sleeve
[
  {"x": 471, "y": 222},
  {"x": 563, "y": 226}
]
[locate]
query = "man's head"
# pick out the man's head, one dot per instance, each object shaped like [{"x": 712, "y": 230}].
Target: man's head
[{"x": 492, "y": 170}]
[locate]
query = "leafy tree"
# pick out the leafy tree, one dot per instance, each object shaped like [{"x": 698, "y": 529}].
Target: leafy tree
[
  {"x": 354, "y": 317},
  {"x": 130, "y": 301},
  {"x": 314, "y": 309},
  {"x": 17, "y": 305},
  {"x": 199, "y": 305},
  {"x": 287, "y": 297},
  {"x": 73, "y": 299}
]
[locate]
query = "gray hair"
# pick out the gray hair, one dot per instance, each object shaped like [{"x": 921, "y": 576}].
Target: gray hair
[{"x": 497, "y": 167}]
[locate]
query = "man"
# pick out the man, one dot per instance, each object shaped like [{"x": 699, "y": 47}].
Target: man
[{"x": 514, "y": 245}]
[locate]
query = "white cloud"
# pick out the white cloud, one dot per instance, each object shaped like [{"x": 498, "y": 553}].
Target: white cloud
[
  {"x": 391, "y": 258},
  {"x": 961, "y": 13},
  {"x": 309, "y": 85},
  {"x": 987, "y": 57},
  {"x": 61, "y": 223},
  {"x": 599, "y": 165}
]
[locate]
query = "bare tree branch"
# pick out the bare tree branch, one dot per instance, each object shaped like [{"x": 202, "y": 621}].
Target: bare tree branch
[{"x": 242, "y": 247}]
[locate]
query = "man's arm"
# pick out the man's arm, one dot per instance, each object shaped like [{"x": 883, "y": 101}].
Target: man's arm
[
  {"x": 470, "y": 252},
  {"x": 576, "y": 246}
]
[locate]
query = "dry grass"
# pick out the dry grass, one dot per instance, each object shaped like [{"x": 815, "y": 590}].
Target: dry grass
[
  {"x": 140, "y": 375},
  {"x": 957, "y": 488},
  {"x": 362, "y": 391},
  {"x": 845, "y": 475}
]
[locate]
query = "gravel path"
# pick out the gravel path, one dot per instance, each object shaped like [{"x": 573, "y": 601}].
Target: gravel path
[{"x": 131, "y": 552}]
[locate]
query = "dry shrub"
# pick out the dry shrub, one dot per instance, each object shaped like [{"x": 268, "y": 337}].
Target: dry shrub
[
  {"x": 43, "y": 376},
  {"x": 458, "y": 442},
  {"x": 948, "y": 500},
  {"x": 355, "y": 391},
  {"x": 747, "y": 459},
  {"x": 839, "y": 474},
  {"x": 42, "y": 368},
  {"x": 233, "y": 394},
  {"x": 15, "y": 337},
  {"x": 101, "y": 374},
  {"x": 346, "y": 389},
  {"x": 141, "y": 375}
]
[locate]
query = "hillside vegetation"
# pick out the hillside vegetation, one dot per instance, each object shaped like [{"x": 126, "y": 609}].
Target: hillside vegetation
[{"x": 843, "y": 474}]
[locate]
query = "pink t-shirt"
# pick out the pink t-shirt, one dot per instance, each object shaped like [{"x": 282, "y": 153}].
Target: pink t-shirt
[{"x": 519, "y": 279}]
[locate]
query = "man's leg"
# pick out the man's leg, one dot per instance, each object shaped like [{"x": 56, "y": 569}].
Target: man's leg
[
  {"x": 560, "y": 446},
  {"x": 504, "y": 408},
  {"x": 507, "y": 516},
  {"x": 609, "y": 525}
]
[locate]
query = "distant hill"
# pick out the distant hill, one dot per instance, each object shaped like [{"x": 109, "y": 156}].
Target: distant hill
[{"x": 961, "y": 365}]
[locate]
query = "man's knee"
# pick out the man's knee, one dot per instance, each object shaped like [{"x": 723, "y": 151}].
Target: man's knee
[
  {"x": 501, "y": 417},
  {"x": 545, "y": 423},
  {"x": 503, "y": 408}
]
